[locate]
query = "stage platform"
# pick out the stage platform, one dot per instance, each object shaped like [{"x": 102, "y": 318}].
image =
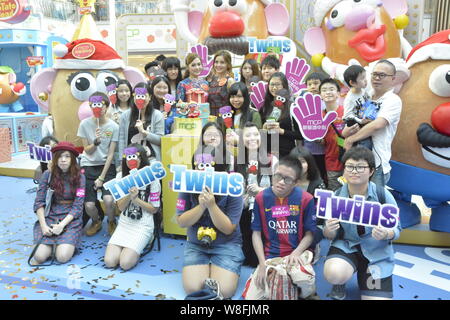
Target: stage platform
[
  {"x": 421, "y": 273},
  {"x": 22, "y": 166}
]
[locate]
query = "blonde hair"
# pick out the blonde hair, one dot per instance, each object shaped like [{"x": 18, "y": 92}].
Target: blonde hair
[{"x": 189, "y": 59}]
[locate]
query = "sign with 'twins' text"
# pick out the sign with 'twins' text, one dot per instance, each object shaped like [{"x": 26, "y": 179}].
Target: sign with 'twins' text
[
  {"x": 36, "y": 152},
  {"x": 137, "y": 178},
  {"x": 356, "y": 210},
  {"x": 194, "y": 181}
]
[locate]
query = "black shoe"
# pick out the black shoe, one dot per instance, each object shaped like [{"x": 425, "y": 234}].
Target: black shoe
[{"x": 337, "y": 292}]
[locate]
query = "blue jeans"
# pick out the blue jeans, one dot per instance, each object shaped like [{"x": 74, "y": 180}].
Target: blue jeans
[{"x": 227, "y": 256}]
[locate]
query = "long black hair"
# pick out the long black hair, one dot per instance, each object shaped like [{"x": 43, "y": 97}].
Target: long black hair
[
  {"x": 135, "y": 111},
  {"x": 313, "y": 171},
  {"x": 267, "y": 108},
  {"x": 142, "y": 157},
  {"x": 245, "y": 108},
  {"x": 220, "y": 151},
  {"x": 154, "y": 101},
  {"x": 172, "y": 62},
  {"x": 130, "y": 100},
  {"x": 264, "y": 158}
]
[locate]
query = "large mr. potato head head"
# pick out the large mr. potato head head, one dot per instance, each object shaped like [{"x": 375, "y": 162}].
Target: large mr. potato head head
[
  {"x": 84, "y": 67},
  {"x": 362, "y": 30},
  {"x": 423, "y": 135},
  {"x": 227, "y": 23}
]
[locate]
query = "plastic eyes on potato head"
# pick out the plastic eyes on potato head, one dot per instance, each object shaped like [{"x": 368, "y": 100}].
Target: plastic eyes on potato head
[
  {"x": 439, "y": 81},
  {"x": 239, "y": 6},
  {"x": 105, "y": 80},
  {"x": 82, "y": 85},
  {"x": 338, "y": 14}
]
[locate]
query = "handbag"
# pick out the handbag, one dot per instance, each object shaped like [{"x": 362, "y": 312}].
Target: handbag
[
  {"x": 283, "y": 282},
  {"x": 48, "y": 197}
]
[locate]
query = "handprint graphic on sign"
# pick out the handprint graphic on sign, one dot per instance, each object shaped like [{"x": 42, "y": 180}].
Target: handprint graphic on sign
[
  {"x": 202, "y": 51},
  {"x": 258, "y": 94},
  {"x": 295, "y": 74},
  {"x": 307, "y": 111}
]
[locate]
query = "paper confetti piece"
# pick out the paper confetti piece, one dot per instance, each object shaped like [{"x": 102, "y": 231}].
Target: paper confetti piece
[{"x": 15, "y": 296}]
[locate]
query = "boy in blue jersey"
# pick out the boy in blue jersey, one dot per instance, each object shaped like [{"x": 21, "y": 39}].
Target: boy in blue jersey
[{"x": 283, "y": 220}]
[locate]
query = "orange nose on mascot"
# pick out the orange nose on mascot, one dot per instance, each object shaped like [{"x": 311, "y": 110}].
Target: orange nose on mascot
[
  {"x": 421, "y": 148},
  {"x": 226, "y": 24}
]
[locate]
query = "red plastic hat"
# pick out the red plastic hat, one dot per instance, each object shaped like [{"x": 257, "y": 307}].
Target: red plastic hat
[
  {"x": 87, "y": 54},
  {"x": 65, "y": 146}
]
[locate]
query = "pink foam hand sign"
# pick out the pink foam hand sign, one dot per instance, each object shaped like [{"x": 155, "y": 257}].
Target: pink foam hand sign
[
  {"x": 202, "y": 51},
  {"x": 307, "y": 111},
  {"x": 295, "y": 74},
  {"x": 258, "y": 94}
]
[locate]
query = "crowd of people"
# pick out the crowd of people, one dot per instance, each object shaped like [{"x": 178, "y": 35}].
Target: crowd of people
[{"x": 275, "y": 217}]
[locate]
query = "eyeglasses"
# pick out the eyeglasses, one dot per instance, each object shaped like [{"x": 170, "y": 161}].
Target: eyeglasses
[
  {"x": 359, "y": 169},
  {"x": 279, "y": 177},
  {"x": 380, "y": 76}
]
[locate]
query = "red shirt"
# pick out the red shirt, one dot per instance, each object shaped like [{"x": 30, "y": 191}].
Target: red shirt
[{"x": 332, "y": 162}]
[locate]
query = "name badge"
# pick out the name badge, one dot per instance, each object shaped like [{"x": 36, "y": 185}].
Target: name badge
[
  {"x": 181, "y": 204},
  {"x": 80, "y": 192}
]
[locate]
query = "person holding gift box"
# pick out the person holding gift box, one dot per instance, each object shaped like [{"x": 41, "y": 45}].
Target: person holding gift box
[
  {"x": 99, "y": 136},
  {"x": 192, "y": 87}
]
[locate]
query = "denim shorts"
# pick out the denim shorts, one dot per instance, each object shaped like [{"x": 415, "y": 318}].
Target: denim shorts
[{"x": 227, "y": 256}]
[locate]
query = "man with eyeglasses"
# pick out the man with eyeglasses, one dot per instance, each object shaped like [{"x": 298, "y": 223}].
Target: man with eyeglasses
[
  {"x": 368, "y": 251},
  {"x": 383, "y": 128},
  {"x": 284, "y": 216}
]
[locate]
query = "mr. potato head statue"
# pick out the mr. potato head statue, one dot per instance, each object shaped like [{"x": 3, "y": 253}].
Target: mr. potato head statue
[
  {"x": 226, "y": 24},
  {"x": 356, "y": 32},
  {"x": 84, "y": 67},
  {"x": 421, "y": 148}
]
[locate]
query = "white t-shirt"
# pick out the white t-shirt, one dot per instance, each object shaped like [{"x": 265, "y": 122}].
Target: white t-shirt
[
  {"x": 109, "y": 133},
  {"x": 390, "y": 109},
  {"x": 354, "y": 100}
]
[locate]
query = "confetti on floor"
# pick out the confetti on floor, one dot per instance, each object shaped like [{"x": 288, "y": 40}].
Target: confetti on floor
[{"x": 158, "y": 276}]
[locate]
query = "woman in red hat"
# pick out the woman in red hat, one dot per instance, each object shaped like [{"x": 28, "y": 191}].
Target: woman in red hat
[{"x": 63, "y": 224}]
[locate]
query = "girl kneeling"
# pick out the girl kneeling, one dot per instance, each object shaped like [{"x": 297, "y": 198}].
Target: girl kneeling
[{"x": 136, "y": 224}]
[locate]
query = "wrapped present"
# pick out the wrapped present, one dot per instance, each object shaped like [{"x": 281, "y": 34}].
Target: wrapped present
[
  {"x": 5, "y": 145},
  {"x": 197, "y": 95}
]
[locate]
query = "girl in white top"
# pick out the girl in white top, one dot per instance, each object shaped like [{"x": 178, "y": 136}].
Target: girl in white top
[{"x": 135, "y": 229}]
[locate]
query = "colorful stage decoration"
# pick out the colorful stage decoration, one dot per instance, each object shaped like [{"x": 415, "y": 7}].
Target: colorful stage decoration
[
  {"x": 307, "y": 112},
  {"x": 421, "y": 148},
  {"x": 350, "y": 32},
  {"x": 14, "y": 11},
  {"x": 225, "y": 26},
  {"x": 10, "y": 90},
  {"x": 137, "y": 178},
  {"x": 355, "y": 210},
  {"x": 84, "y": 66},
  {"x": 194, "y": 181}
]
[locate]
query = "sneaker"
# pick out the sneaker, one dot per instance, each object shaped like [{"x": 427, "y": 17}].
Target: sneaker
[
  {"x": 337, "y": 292},
  {"x": 111, "y": 227},
  {"x": 95, "y": 227},
  {"x": 213, "y": 285}
]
